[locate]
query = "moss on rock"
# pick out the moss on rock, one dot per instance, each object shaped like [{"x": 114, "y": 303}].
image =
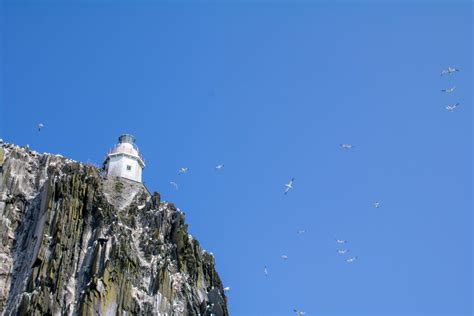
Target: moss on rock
[{"x": 82, "y": 244}]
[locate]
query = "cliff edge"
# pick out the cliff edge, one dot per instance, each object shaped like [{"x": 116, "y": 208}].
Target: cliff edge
[{"x": 76, "y": 243}]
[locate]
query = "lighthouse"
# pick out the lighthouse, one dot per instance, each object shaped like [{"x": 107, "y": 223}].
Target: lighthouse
[{"x": 124, "y": 160}]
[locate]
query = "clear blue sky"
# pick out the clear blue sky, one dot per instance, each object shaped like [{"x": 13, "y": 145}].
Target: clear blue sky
[{"x": 271, "y": 89}]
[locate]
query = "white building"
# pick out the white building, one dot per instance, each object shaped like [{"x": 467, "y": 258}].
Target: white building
[{"x": 124, "y": 160}]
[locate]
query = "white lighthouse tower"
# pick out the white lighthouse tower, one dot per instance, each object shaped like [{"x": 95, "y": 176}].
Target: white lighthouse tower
[{"x": 124, "y": 160}]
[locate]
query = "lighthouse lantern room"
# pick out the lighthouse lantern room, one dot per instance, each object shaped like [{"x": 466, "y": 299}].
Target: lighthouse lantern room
[{"x": 124, "y": 160}]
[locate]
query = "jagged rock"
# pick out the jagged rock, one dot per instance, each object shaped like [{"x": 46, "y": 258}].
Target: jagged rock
[{"x": 75, "y": 243}]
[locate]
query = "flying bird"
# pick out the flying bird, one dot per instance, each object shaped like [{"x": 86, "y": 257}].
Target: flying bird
[
  {"x": 289, "y": 185},
  {"x": 265, "y": 271},
  {"x": 343, "y": 251},
  {"x": 351, "y": 259},
  {"x": 183, "y": 170},
  {"x": 376, "y": 204},
  {"x": 284, "y": 257},
  {"x": 449, "y": 90},
  {"x": 174, "y": 184},
  {"x": 341, "y": 241},
  {"x": 298, "y": 313},
  {"x": 346, "y": 146},
  {"x": 448, "y": 71},
  {"x": 453, "y": 107},
  {"x": 219, "y": 167},
  {"x": 227, "y": 289},
  {"x": 301, "y": 231},
  {"x": 40, "y": 126}
]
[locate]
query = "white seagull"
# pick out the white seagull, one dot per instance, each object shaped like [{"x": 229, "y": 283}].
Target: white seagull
[
  {"x": 284, "y": 257},
  {"x": 40, "y": 126},
  {"x": 301, "y": 231},
  {"x": 448, "y": 71},
  {"x": 298, "y": 313},
  {"x": 351, "y": 259},
  {"x": 289, "y": 185},
  {"x": 227, "y": 289},
  {"x": 376, "y": 204},
  {"x": 341, "y": 241},
  {"x": 219, "y": 167},
  {"x": 174, "y": 184},
  {"x": 449, "y": 90},
  {"x": 183, "y": 170},
  {"x": 346, "y": 146},
  {"x": 453, "y": 107},
  {"x": 343, "y": 251},
  {"x": 265, "y": 271}
]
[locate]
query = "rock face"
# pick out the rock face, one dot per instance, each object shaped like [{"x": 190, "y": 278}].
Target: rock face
[{"x": 75, "y": 243}]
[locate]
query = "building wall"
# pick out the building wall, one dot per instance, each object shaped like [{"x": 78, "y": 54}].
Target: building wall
[{"x": 117, "y": 166}]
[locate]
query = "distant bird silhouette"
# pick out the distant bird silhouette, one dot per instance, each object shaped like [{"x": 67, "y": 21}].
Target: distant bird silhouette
[
  {"x": 449, "y": 90},
  {"x": 351, "y": 259},
  {"x": 227, "y": 289},
  {"x": 219, "y": 167},
  {"x": 284, "y": 257},
  {"x": 341, "y": 241},
  {"x": 174, "y": 184},
  {"x": 40, "y": 126},
  {"x": 183, "y": 170},
  {"x": 298, "y": 313},
  {"x": 453, "y": 107},
  {"x": 346, "y": 146},
  {"x": 343, "y": 251},
  {"x": 301, "y": 231},
  {"x": 448, "y": 71},
  {"x": 289, "y": 185},
  {"x": 265, "y": 271},
  {"x": 376, "y": 204}
]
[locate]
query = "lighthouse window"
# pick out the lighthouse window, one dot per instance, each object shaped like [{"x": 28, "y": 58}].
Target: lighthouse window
[{"x": 129, "y": 167}]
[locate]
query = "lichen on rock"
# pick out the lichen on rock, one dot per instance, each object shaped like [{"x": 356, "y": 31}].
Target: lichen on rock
[{"x": 76, "y": 243}]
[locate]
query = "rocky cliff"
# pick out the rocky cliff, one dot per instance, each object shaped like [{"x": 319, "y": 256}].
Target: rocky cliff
[{"x": 76, "y": 243}]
